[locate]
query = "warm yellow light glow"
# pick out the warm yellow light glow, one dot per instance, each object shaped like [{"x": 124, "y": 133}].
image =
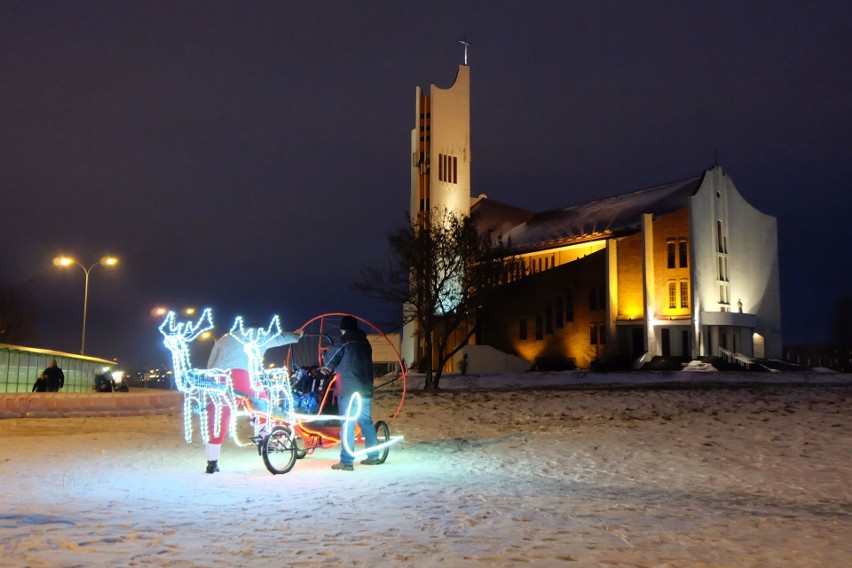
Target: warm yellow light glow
[
  {"x": 632, "y": 310},
  {"x": 109, "y": 261},
  {"x": 162, "y": 310},
  {"x": 63, "y": 261}
]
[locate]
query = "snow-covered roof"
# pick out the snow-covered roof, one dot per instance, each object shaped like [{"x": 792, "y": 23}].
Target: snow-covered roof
[
  {"x": 594, "y": 219},
  {"x": 498, "y": 216}
]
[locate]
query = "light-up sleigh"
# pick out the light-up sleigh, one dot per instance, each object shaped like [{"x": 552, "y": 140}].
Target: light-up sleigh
[{"x": 292, "y": 409}]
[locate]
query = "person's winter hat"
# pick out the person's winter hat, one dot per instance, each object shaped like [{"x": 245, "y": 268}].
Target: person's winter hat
[{"x": 348, "y": 323}]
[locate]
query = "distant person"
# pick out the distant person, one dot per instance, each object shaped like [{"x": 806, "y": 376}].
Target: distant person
[
  {"x": 54, "y": 378},
  {"x": 102, "y": 383},
  {"x": 352, "y": 358},
  {"x": 39, "y": 385},
  {"x": 229, "y": 353},
  {"x": 464, "y": 364}
]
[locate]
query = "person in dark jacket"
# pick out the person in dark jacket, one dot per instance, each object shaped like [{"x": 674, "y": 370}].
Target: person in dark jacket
[
  {"x": 352, "y": 359},
  {"x": 54, "y": 378},
  {"x": 39, "y": 385}
]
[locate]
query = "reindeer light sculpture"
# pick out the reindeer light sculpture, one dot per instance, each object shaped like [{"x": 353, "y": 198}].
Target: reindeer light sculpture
[
  {"x": 199, "y": 386},
  {"x": 273, "y": 385}
]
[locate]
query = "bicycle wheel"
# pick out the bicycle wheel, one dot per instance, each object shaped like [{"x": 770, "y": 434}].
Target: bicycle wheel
[
  {"x": 382, "y": 436},
  {"x": 301, "y": 449},
  {"x": 279, "y": 450}
]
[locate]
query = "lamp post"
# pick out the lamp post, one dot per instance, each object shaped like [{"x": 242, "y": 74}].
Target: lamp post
[{"x": 68, "y": 261}]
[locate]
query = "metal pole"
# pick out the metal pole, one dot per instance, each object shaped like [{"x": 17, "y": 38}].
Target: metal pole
[{"x": 85, "y": 309}]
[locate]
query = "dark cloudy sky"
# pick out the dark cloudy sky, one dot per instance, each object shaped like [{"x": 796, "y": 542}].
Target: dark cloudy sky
[{"x": 253, "y": 156}]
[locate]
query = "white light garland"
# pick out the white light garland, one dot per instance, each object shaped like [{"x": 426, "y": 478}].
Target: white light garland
[{"x": 201, "y": 387}]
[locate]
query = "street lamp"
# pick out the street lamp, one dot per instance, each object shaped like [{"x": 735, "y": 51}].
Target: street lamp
[
  {"x": 208, "y": 335},
  {"x": 64, "y": 261},
  {"x": 160, "y": 311}
]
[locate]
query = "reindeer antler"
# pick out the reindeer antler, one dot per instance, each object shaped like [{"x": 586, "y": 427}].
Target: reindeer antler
[
  {"x": 256, "y": 336},
  {"x": 187, "y": 331}
]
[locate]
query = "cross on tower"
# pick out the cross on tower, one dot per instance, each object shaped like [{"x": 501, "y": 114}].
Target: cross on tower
[{"x": 466, "y": 45}]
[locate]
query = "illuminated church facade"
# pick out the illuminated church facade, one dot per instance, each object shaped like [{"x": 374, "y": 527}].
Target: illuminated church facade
[{"x": 684, "y": 269}]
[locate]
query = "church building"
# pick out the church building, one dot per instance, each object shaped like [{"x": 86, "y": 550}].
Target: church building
[{"x": 687, "y": 268}]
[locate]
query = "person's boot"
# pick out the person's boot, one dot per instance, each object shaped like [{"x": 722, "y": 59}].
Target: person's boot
[{"x": 212, "y": 466}]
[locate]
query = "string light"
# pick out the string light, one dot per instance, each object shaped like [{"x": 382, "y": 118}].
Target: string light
[
  {"x": 351, "y": 417},
  {"x": 203, "y": 387},
  {"x": 200, "y": 387}
]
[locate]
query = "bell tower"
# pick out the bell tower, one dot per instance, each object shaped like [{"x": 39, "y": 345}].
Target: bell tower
[
  {"x": 440, "y": 167},
  {"x": 440, "y": 148}
]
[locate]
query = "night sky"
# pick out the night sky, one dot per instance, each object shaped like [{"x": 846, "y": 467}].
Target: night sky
[{"x": 253, "y": 156}]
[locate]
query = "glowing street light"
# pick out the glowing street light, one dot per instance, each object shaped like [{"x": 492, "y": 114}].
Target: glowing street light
[
  {"x": 207, "y": 335},
  {"x": 160, "y": 311},
  {"x": 65, "y": 261}
]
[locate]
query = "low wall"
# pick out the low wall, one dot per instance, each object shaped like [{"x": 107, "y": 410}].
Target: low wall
[{"x": 63, "y": 405}]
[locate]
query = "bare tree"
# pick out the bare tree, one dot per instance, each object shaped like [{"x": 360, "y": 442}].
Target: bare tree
[{"x": 440, "y": 273}]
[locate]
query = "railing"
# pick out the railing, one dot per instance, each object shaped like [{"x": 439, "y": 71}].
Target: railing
[{"x": 736, "y": 358}]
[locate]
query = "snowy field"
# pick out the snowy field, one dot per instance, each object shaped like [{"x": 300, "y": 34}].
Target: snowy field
[{"x": 631, "y": 475}]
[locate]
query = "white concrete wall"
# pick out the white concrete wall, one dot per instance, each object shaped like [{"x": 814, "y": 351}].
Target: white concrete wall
[
  {"x": 385, "y": 347},
  {"x": 752, "y": 245},
  {"x": 450, "y": 135},
  {"x": 485, "y": 359}
]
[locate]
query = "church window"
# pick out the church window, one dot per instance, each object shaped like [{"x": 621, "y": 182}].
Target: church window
[
  {"x": 448, "y": 169},
  {"x": 670, "y": 245},
  {"x": 723, "y": 293},
  {"x": 684, "y": 294},
  {"x": 672, "y": 297},
  {"x": 721, "y": 243},
  {"x": 723, "y": 269},
  {"x": 682, "y": 253},
  {"x": 597, "y": 297}
]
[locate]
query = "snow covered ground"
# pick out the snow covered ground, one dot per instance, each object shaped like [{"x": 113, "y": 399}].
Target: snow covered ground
[{"x": 620, "y": 474}]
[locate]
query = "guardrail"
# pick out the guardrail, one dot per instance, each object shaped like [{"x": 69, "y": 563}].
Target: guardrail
[
  {"x": 736, "y": 358},
  {"x": 64, "y": 405}
]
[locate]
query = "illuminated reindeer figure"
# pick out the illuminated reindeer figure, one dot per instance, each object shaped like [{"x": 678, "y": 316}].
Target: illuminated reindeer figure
[
  {"x": 272, "y": 384},
  {"x": 199, "y": 386}
]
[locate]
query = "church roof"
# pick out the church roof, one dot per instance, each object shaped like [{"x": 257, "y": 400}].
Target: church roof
[
  {"x": 498, "y": 216},
  {"x": 609, "y": 216}
]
